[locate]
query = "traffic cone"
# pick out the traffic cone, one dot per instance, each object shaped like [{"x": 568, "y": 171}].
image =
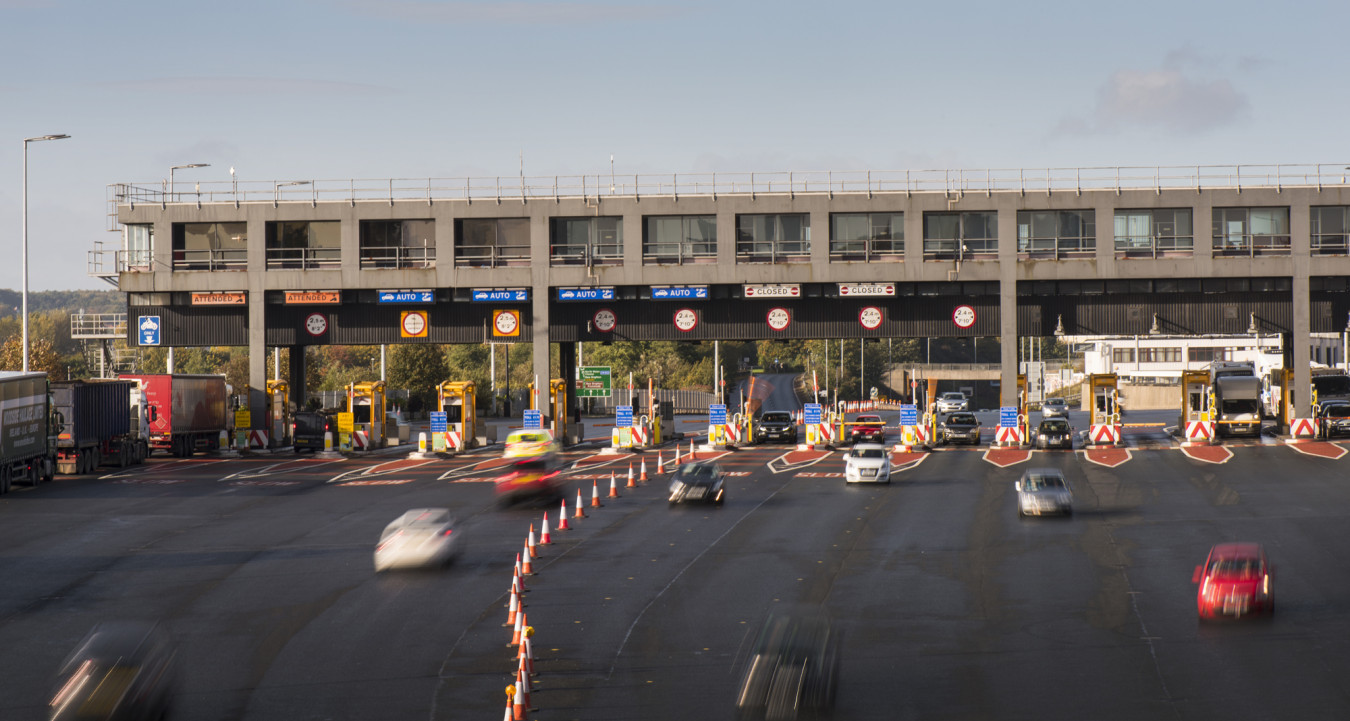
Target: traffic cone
[
  {"x": 642, "y": 478},
  {"x": 527, "y": 650},
  {"x": 691, "y": 450},
  {"x": 513, "y": 609},
  {"x": 579, "y": 512},
  {"x": 613, "y": 487},
  {"x": 530, "y": 544},
  {"x": 510, "y": 698},
  {"x": 519, "y": 581},
  {"x": 544, "y": 539},
  {"x": 660, "y": 464},
  {"x": 526, "y": 566},
  {"x": 519, "y": 626},
  {"x": 523, "y": 682},
  {"x": 562, "y": 517},
  {"x": 631, "y": 482},
  {"x": 595, "y": 495},
  {"x": 518, "y": 706},
  {"x": 676, "y": 460}
]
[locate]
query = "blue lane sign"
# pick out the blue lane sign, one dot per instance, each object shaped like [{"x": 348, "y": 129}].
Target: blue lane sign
[
  {"x": 679, "y": 292},
  {"x": 585, "y": 294},
  {"x": 534, "y": 420},
  {"x": 1007, "y": 417},
  {"x": 623, "y": 416},
  {"x": 717, "y": 414},
  {"x": 438, "y": 424},
  {"x": 518, "y": 295},
  {"x": 407, "y": 296},
  {"x": 811, "y": 414},
  {"x": 148, "y": 328},
  {"x": 909, "y": 415}
]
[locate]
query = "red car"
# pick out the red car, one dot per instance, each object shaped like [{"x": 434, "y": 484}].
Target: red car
[
  {"x": 1234, "y": 581},
  {"x": 867, "y": 428}
]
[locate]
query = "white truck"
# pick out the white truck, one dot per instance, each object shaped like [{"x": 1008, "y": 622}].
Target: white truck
[{"x": 1237, "y": 398}]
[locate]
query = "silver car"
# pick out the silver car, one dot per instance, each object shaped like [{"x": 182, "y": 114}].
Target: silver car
[
  {"x": 867, "y": 463},
  {"x": 1054, "y": 408},
  {"x": 952, "y": 402},
  {"x": 1042, "y": 491},
  {"x": 419, "y": 538}
]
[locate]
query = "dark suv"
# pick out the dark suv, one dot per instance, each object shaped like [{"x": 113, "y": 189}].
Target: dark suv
[
  {"x": 308, "y": 427},
  {"x": 776, "y": 426}
]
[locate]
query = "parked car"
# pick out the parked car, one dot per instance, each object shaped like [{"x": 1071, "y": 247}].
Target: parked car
[
  {"x": 867, "y": 463},
  {"x": 793, "y": 671},
  {"x": 961, "y": 427},
  {"x": 1054, "y": 408},
  {"x": 1042, "y": 491},
  {"x": 952, "y": 402},
  {"x": 1234, "y": 581},
  {"x": 1333, "y": 419},
  {"x": 776, "y": 426},
  {"x": 699, "y": 481},
  {"x": 121, "y": 670},
  {"x": 867, "y": 428},
  {"x": 420, "y": 538},
  {"x": 1054, "y": 433}
]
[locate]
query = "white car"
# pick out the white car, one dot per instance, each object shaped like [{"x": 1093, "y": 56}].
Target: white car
[
  {"x": 1043, "y": 490},
  {"x": 419, "y": 538},
  {"x": 952, "y": 402},
  {"x": 867, "y": 463}
]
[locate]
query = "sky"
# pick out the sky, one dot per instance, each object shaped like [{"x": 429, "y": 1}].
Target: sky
[{"x": 337, "y": 89}]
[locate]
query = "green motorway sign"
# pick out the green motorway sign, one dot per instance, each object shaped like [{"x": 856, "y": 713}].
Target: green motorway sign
[{"x": 593, "y": 382}]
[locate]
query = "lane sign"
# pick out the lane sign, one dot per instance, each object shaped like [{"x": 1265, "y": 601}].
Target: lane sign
[
  {"x": 316, "y": 324},
  {"x": 870, "y": 317},
  {"x": 414, "y": 324},
  {"x": 407, "y": 296},
  {"x": 605, "y": 320},
  {"x": 717, "y": 414},
  {"x": 686, "y": 319},
  {"x": 438, "y": 421},
  {"x": 778, "y": 318},
  {"x": 778, "y": 290},
  {"x": 909, "y": 415},
  {"x": 508, "y": 295},
  {"x": 506, "y": 323},
  {"x": 585, "y": 294},
  {"x": 811, "y": 413},
  {"x": 679, "y": 292},
  {"x": 963, "y": 316},
  {"x": 148, "y": 327},
  {"x": 851, "y": 289},
  {"x": 1007, "y": 417},
  {"x": 623, "y": 416},
  {"x": 533, "y": 420}
]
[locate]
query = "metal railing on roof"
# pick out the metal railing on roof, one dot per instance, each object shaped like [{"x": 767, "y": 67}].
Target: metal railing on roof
[{"x": 676, "y": 185}]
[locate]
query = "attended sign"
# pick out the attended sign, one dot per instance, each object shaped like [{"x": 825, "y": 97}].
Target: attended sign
[
  {"x": 230, "y": 298},
  {"x": 313, "y": 297}
]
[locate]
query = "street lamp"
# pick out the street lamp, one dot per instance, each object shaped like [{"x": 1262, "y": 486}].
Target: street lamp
[
  {"x": 24, "y": 294},
  {"x": 172, "y": 196}
]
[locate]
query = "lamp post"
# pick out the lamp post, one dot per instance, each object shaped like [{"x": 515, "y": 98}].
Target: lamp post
[
  {"x": 172, "y": 195},
  {"x": 24, "y": 292}
]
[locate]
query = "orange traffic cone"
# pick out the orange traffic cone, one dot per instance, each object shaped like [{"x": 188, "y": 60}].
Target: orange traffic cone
[
  {"x": 530, "y": 544},
  {"x": 523, "y": 682},
  {"x": 631, "y": 482},
  {"x": 519, "y": 626},
  {"x": 519, "y": 580},
  {"x": 527, "y": 650},
  {"x": 562, "y": 517},
  {"x": 643, "y": 476},
  {"x": 518, "y": 705},
  {"x": 595, "y": 495},
  {"x": 691, "y": 450},
  {"x": 513, "y": 609},
  {"x": 544, "y": 539},
  {"x": 613, "y": 487},
  {"x": 510, "y": 697},
  {"x": 579, "y": 512},
  {"x": 526, "y": 566},
  {"x": 676, "y": 460},
  {"x": 660, "y": 464}
]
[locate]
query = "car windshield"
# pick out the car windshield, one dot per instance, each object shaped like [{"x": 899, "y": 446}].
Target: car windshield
[
  {"x": 961, "y": 419},
  {"x": 874, "y": 420},
  {"x": 869, "y": 453},
  {"x": 1042, "y": 483},
  {"x": 1055, "y": 426},
  {"x": 953, "y": 397},
  {"x": 1338, "y": 411},
  {"x": 695, "y": 473},
  {"x": 1235, "y": 568},
  {"x": 776, "y": 417},
  {"x": 1054, "y": 402}
]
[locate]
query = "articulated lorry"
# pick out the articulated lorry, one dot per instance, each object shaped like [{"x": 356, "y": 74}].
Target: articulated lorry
[
  {"x": 186, "y": 413},
  {"x": 1237, "y": 398},
  {"x": 97, "y": 423},
  {"x": 27, "y": 449}
]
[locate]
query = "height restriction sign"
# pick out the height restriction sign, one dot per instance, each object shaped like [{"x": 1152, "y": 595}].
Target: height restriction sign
[{"x": 413, "y": 324}]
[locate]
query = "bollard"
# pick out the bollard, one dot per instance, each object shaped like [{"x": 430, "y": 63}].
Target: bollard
[
  {"x": 422, "y": 442},
  {"x": 327, "y": 441},
  {"x": 224, "y": 439}
]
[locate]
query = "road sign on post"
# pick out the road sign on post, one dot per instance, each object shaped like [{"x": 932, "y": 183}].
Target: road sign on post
[
  {"x": 909, "y": 415},
  {"x": 1007, "y": 417},
  {"x": 623, "y": 416},
  {"x": 148, "y": 328},
  {"x": 534, "y": 420},
  {"x": 717, "y": 414},
  {"x": 811, "y": 414}
]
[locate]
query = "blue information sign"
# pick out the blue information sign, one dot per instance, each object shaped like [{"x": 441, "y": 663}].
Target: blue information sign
[
  {"x": 501, "y": 296},
  {"x": 438, "y": 422},
  {"x": 679, "y": 292},
  {"x": 811, "y": 414},
  {"x": 148, "y": 329},
  {"x": 534, "y": 420},
  {"x": 407, "y": 296},
  {"x": 717, "y": 414},
  {"x": 585, "y": 294},
  {"x": 623, "y": 416},
  {"x": 909, "y": 415},
  {"x": 1007, "y": 417}
]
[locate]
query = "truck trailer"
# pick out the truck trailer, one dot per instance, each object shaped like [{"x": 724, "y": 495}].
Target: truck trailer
[
  {"x": 27, "y": 449},
  {"x": 186, "y": 413},
  {"x": 98, "y": 422}
]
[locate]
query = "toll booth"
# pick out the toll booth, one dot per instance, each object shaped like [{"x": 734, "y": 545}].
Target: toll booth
[
  {"x": 366, "y": 403},
  {"x": 663, "y": 421},
  {"x": 557, "y": 408},
  {"x": 1103, "y": 409},
  {"x": 252, "y": 428},
  {"x": 459, "y": 402},
  {"x": 1196, "y": 422},
  {"x": 279, "y": 410}
]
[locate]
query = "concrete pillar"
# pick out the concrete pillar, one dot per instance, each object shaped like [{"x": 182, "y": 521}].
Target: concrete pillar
[
  {"x": 539, "y": 302},
  {"x": 1007, "y": 304},
  {"x": 296, "y": 377},
  {"x": 1300, "y": 240},
  {"x": 257, "y": 331},
  {"x": 567, "y": 370}
]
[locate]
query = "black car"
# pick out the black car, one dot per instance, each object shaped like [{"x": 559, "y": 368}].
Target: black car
[
  {"x": 793, "y": 670},
  {"x": 959, "y": 428},
  {"x": 776, "y": 426},
  {"x": 308, "y": 428},
  {"x": 1054, "y": 433},
  {"x": 700, "y": 482},
  {"x": 121, "y": 670},
  {"x": 1333, "y": 418}
]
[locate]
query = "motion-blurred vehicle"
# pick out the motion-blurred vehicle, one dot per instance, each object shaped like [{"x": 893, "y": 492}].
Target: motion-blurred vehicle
[
  {"x": 867, "y": 428},
  {"x": 308, "y": 429},
  {"x": 867, "y": 463},
  {"x": 1054, "y": 408},
  {"x": 952, "y": 402},
  {"x": 1333, "y": 419},
  {"x": 698, "y": 482},
  {"x": 961, "y": 427},
  {"x": 776, "y": 426},
  {"x": 420, "y": 538},
  {"x": 533, "y": 468},
  {"x": 1042, "y": 491},
  {"x": 121, "y": 670},
  {"x": 1234, "y": 581},
  {"x": 793, "y": 670},
  {"x": 1054, "y": 433}
]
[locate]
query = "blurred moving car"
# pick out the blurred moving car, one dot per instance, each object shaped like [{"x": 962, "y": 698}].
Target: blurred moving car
[
  {"x": 1054, "y": 408},
  {"x": 793, "y": 670},
  {"x": 1235, "y": 580},
  {"x": 699, "y": 481},
  {"x": 776, "y": 426},
  {"x": 121, "y": 670},
  {"x": 1054, "y": 433},
  {"x": 952, "y": 402},
  {"x": 867, "y": 463},
  {"x": 1043, "y": 490},
  {"x": 963, "y": 426},
  {"x": 533, "y": 468},
  {"x": 867, "y": 428},
  {"x": 1333, "y": 419},
  {"x": 420, "y": 538},
  {"x": 308, "y": 428}
]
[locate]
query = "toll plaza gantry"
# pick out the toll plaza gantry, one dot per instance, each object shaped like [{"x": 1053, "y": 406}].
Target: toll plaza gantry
[{"x": 739, "y": 256}]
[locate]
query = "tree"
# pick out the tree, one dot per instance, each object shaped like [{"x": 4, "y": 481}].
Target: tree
[
  {"x": 41, "y": 357},
  {"x": 418, "y": 367}
]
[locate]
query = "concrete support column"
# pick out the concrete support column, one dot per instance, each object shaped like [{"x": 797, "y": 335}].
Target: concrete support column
[
  {"x": 1007, "y": 304},
  {"x": 1300, "y": 240},
  {"x": 296, "y": 377},
  {"x": 819, "y": 234},
  {"x": 726, "y": 239},
  {"x": 257, "y": 308},
  {"x": 539, "y": 304}
]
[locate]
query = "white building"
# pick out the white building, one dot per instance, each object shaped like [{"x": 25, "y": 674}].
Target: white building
[{"x": 1146, "y": 359}]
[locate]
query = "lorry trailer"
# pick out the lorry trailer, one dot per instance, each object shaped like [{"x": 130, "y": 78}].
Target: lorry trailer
[
  {"x": 27, "y": 449},
  {"x": 97, "y": 422},
  {"x": 186, "y": 413}
]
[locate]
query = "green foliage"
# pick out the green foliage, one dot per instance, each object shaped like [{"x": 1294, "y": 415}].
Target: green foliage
[{"x": 418, "y": 367}]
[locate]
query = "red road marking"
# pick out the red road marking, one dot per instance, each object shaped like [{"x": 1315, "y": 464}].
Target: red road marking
[
  {"x": 1208, "y": 454},
  {"x": 905, "y": 461},
  {"x": 792, "y": 458},
  {"x": 1322, "y": 449},
  {"x": 1004, "y": 457},
  {"x": 1109, "y": 457}
]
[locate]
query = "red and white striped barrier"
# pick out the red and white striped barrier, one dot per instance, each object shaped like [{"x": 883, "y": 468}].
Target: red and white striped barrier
[
  {"x": 257, "y": 439},
  {"x": 1200, "y": 431},
  {"x": 1105, "y": 433},
  {"x": 733, "y": 432},
  {"x": 1303, "y": 428},
  {"x": 1011, "y": 436},
  {"x": 640, "y": 435},
  {"x": 454, "y": 441},
  {"x": 360, "y": 440},
  {"x": 827, "y": 432}
]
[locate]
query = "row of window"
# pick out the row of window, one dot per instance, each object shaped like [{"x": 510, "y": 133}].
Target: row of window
[
  {"x": 760, "y": 238},
  {"x": 1171, "y": 355}
]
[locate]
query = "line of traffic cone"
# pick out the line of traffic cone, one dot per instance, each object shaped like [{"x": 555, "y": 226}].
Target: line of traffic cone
[
  {"x": 613, "y": 486},
  {"x": 595, "y": 495},
  {"x": 513, "y": 609}
]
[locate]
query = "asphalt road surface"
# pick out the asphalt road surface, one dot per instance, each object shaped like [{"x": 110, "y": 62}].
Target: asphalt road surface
[{"x": 951, "y": 607}]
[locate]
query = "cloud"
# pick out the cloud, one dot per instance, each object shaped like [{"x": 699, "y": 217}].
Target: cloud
[
  {"x": 508, "y": 13},
  {"x": 1166, "y": 98},
  {"x": 224, "y": 85}
]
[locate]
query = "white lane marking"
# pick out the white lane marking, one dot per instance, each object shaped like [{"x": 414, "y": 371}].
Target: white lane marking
[
  {"x": 776, "y": 469},
  {"x": 170, "y": 466},
  {"x": 268, "y": 470},
  {"x": 377, "y": 470}
]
